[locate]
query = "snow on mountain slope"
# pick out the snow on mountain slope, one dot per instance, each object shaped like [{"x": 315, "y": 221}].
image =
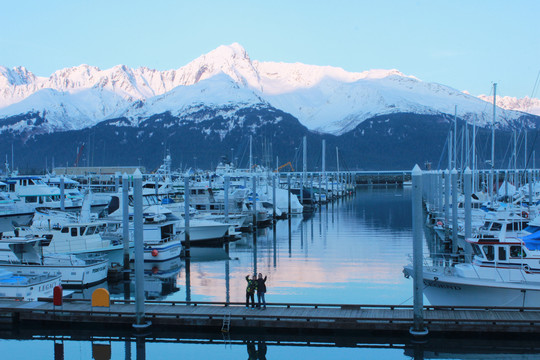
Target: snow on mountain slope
[
  {"x": 83, "y": 106},
  {"x": 526, "y": 104},
  {"x": 219, "y": 91},
  {"x": 323, "y": 98}
]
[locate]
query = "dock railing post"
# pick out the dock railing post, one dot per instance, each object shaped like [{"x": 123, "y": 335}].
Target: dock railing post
[
  {"x": 125, "y": 221},
  {"x": 226, "y": 197},
  {"x": 254, "y": 179},
  {"x": 187, "y": 245},
  {"x": 139, "y": 250},
  {"x": 418, "y": 328},
  {"x": 274, "y": 197},
  {"x": 289, "y": 195}
]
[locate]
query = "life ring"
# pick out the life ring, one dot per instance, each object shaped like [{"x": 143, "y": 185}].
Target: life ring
[
  {"x": 440, "y": 223},
  {"x": 524, "y": 214},
  {"x": 526, "y": 268}
]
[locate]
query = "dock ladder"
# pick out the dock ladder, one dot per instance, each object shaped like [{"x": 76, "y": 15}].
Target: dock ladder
[{"x": 225, "y": 327}]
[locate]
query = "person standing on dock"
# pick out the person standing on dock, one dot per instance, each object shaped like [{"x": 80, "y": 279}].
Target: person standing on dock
[
  {"x": 250, "y": 291},
  {"x": 261, "y": 290}
]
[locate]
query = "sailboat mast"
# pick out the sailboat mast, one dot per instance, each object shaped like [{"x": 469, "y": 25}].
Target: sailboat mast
[
  {"x": 493, "y": 139},
  {"x": 250, "y": 153}
]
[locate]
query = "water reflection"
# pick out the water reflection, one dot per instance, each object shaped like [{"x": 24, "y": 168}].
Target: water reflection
[{"x": 162, "y": 343}]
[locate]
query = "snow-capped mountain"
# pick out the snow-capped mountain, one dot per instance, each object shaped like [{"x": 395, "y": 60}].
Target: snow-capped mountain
[
  {"x": 323, "y": 98},
  {"x": 526, "y": 104}
]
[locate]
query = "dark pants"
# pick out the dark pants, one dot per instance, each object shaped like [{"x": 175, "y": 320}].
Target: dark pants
[
  {"x": 260, "y": 298},
  {"x": 252, "y": 297}
]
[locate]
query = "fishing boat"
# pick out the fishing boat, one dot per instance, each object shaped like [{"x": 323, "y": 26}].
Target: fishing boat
[
  {"x": 74, "y": 270},
  {"x": 504, "y": 271},
  {"x": 27, "y": 287}
]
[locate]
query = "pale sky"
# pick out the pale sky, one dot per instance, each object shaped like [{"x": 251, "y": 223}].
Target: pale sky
[{"x": 466, "y": 44}]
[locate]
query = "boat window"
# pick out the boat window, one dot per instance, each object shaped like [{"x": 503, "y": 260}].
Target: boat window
[
  {"x": 64, "y": 230},
  {"x": 81, "y": 230},
  {"x": 502, "y": 253},
  {"x": 193, "y": 192},
  {"x": 41, "y": 199},
  {"x": 517, "y": 252},
  {"x": 476, "y": 250},
  {"x": 488, "y": 250},
  {"x": 31, "y": 199},
  {"x": 74, "y": 231},
  {"x": 514, "y": 226},
  {"x": 496, "y": 226},
  {"x": 201, "y": 191},
  {"x": 91, "y": 230}
]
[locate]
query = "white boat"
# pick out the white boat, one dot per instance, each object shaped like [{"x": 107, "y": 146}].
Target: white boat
[
  {"x": 68, "y": 236},
  {"x": 505, "y": 270},
  {"x": 27, "y": 287},
  {"x": 74, "y": 270}
]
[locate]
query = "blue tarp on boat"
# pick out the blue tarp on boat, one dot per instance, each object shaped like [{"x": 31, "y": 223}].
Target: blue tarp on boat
[{"x": 532, "y": 241}]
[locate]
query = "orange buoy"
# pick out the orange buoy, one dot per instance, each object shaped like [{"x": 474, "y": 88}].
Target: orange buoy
[{"x": 155, "y": 253}]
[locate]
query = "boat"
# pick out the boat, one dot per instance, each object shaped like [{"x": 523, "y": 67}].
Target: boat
[
  {"x": 27, "y": 287},
  {"x": 504, "y": 271},
  {"x": 74, "y": 270}
]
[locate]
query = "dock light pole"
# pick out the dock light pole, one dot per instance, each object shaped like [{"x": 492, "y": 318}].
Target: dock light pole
[
  {"x": 289, "y": 194},
  {"x": 446, "y": 204},
  {"x": 254, "y": 179},
  {"x": 125, "y": 220},
  {"x": 226, "y": 197},
  {"x": 274, "y": 197},
  {"x": 187, "y": 245},
  {"x": 62, "y": 194},
  {"x": 139, "y": 250},
  {"x": 418, "y": 328}
]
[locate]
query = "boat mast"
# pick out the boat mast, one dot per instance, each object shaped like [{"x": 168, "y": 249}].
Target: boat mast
[
  {"x": 455, "y": 136},
  {"x": 304, "y": 160},
  {"x": 474, "y": 154},
  {"x": 337, "y": 158},
  {"x": 250, "y": 153},
  {"x": 493, "y": 142}
]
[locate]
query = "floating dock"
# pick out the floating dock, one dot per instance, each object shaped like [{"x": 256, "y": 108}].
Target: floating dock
[{"x": 318, "y": 318}]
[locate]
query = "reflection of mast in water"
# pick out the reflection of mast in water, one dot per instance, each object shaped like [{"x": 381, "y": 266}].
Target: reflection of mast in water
[
  {"x": 290, "y": 235},
  {"x": 302, "y": 235},
  {"x": 275, "y": 244},
  {"x": 127, "y": 347},
  {"x": 188, "y": 279},
  {"x": 227, "y": 276}
]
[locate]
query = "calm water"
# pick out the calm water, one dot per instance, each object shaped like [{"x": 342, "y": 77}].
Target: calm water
[{"x": 350, "y": 252}]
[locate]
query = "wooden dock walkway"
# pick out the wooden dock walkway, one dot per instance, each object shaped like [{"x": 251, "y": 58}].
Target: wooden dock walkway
[{"x": 285, "y": 317}]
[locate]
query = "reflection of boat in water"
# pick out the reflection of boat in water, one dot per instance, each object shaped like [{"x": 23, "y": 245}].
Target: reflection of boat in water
[
  {"x": 201, "y": 254},
  {"x": 159, "y": 281}
]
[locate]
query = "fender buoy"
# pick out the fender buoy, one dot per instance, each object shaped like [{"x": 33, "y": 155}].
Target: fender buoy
[
  {"x": 155, "y": 270},
  {"x": 525, "y": 214},
  {"x": 155, "y": 253},
  {"x": 526, "y": 268},
  {"x": 439, "y": 223}
]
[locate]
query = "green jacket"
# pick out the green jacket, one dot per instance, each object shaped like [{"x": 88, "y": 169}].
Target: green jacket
[{"x": 251, "y": 285}]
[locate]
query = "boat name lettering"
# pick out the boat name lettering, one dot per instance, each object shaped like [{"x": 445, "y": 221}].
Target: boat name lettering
[
  {"x": 441, "y": 286},
  {"x": 99, "y": 269},
  {"x": 46, "y": 287}
]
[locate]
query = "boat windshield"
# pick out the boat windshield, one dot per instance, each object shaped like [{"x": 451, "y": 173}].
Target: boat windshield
[{"x": 489, "y": 252}]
